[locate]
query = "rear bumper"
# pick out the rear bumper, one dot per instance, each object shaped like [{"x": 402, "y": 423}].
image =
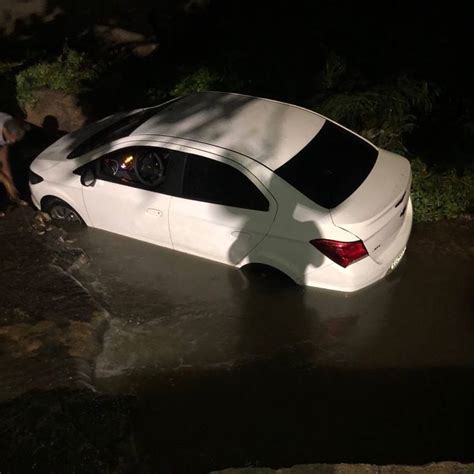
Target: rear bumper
[{"x": 366, "y": 271}]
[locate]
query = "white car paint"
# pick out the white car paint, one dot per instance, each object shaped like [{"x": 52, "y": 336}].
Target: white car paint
[
  {"x": 217, "y": 232},
  {"x": 139, "y": 214},
  {"x": 254, "y": 136},
  {"x": 267, "y": 131}
]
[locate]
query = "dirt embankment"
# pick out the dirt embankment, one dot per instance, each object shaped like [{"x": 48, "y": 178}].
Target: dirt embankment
[
  {"x": 50, "y": 326},
  {"x": 51, "y": 331},
  {"x": 435, "y": 468}
]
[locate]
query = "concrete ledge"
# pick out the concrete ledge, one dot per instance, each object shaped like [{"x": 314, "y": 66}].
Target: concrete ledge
[{"x": 435, "y": 468}]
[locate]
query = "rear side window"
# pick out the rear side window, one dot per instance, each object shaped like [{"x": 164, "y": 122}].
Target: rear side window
[
  {"x": 215, "y": 182},
  {"x": 118, "y": 129},
  {"x": 331, "y": 166}
]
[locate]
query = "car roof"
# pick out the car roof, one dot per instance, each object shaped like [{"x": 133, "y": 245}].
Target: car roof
[{"x": 267, "y": 131}]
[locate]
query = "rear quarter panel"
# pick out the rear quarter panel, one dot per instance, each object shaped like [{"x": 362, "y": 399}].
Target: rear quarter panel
[{"x": 287, "y": 246}]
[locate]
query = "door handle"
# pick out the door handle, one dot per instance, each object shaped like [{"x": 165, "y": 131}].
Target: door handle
[{"x": 154, "y": 212}]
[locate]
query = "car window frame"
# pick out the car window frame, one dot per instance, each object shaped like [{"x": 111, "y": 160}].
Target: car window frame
[
  {"x": 94, "y": 164},
  {"x": 185, "y": 146},
  {"x": 239, "y": 169},
  {"x": 146, "y": 112}
]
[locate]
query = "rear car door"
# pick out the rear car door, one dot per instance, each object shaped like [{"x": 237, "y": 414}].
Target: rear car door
[
  {"x": 132, "y": 193},
  {"x": 224, "y": 211}
]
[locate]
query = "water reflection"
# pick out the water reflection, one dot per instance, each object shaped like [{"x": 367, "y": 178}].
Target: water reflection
[
  {"x": 232, "y": 369},
  {"x": 174, "y": 310}
]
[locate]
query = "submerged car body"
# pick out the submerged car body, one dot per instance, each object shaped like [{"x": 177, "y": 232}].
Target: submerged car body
[{"x": 239, "y": 180}]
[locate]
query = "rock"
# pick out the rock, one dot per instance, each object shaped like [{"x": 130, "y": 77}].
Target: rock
[
  {"x": 144, "y": 50},
  {"x": 125, "y": 41},
  {"x": 115, "y": 35},
  {"x": 50, "y": 105},
  {"x": 42, "y": 217},
  {"x": 435, "y": 468}
]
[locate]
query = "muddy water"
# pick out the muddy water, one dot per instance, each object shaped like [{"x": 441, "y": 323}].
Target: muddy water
[{"x": 235, "y": 370}]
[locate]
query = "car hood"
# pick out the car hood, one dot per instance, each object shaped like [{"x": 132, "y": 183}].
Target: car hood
[{"x": 60, "y": 149}]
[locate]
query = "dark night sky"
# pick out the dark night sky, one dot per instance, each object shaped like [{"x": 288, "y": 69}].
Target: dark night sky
[
  {"x": 433, "y": 40},
  {"x": 280, "y": 46},
  {"x": 430, "y": 39}
]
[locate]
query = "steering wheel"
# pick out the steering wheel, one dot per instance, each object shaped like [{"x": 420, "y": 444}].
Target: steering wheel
[
  {"x": 111, "y": 166},
  {"x": 150, "y": 168}
]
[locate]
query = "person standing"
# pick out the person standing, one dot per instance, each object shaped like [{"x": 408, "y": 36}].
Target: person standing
[{"x": 11, "y": 131}]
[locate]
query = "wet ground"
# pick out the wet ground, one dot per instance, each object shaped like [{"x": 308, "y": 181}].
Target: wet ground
[
  {"x": 174, "y": 311},
  {"x": 50, "y": 326},
  {"x": 52, "y": 419},
  {"x": 232, "y": 369},
  {"x": 235, "y": 369}
]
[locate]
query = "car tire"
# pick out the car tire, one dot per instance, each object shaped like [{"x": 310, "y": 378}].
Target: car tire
[{"x": 63, "y": 213}]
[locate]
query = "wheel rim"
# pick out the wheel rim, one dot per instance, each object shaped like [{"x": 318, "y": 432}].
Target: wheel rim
[{"x": 63, "y": 213}]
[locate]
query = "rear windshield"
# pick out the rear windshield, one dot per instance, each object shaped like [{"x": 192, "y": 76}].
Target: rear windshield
[
  {"x": 119, "y": 129},
  {"x": 331, "y": 166}
]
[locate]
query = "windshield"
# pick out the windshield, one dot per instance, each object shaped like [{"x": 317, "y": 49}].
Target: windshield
[
  {"x": 119, "y": 129},
  {"x": 331, "y": 166}
]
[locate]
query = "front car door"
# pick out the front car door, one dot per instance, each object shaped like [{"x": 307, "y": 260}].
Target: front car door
[
  {"x": 224, "y": 211},
  {"x": 132, "y": 193}
]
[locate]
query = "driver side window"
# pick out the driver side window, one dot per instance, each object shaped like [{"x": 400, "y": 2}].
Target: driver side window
[{"x": 149, "y": 168}]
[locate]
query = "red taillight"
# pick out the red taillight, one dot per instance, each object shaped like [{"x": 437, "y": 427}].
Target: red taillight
[{"x": 343, "y": 253}]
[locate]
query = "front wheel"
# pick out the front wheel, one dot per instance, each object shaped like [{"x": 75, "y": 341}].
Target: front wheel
[{"x": 63, "y": 213}]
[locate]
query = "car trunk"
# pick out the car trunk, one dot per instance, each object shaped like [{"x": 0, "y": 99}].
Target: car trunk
[{"x": 374, "y": 213}]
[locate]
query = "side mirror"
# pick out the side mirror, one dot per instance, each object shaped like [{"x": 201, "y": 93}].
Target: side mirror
[{"x": 88, "y": 177}]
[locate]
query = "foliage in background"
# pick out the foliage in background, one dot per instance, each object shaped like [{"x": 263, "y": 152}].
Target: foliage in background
[
  {"x": 384, "y": 114},
  {"x": 440, "y": 194},
  {"x": 334, "y": 72},
  {"x": 71, "y": 73},
  {"x": 154, "y": 96},
  {"x": 205, "y": 79},
  {"x": 201, "y": 79},
  {"x": 7, "y": 68}
]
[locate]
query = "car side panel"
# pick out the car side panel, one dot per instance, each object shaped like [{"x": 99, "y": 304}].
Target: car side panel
[
  {"x": 69, "y": 191},
  {"x": 221, "y": 233},
  {"x": 129, "y": 211},
  {"x": 298, "y": 221}
]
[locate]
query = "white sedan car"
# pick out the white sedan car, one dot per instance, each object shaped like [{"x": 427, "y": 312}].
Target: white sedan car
[{"x": 238, "y": 180}]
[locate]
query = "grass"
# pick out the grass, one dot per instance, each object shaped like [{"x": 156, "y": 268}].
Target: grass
[
  {"x": 441, "y": 194},
  {"x": 71, "y": 73},
  {"x": 386, "y": 114}
]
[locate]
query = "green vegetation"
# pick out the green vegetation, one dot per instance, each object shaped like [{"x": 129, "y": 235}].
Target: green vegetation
[
  {"x": 205, "y": 79},
  {"x": 200, "y": 80},
  {"x": 440, "y": 194},
  {"x": 384, "y": 114},
  {"x": 387, "y": 114},
  {"x": 7, "y": 68},
  {"x": 71, "y": 72}
]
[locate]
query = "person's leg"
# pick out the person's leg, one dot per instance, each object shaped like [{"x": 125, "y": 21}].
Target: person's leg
[
  {"x": 10, "y": 187},
  {"x": 2, "y": 214},
  {"x": 2, "y": 180}
]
